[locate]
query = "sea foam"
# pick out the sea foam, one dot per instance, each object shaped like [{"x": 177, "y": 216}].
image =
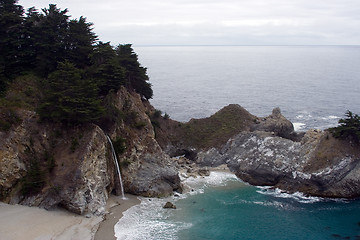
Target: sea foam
[
  {"x": 149, "y": 220},
  {"x": 297, "y": 196}
]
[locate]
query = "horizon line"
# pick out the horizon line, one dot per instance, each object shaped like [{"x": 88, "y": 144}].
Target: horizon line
[{"x": 246, "y": 45}]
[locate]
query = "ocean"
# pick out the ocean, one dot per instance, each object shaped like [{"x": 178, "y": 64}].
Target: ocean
[{"x": 313, "y": 86}]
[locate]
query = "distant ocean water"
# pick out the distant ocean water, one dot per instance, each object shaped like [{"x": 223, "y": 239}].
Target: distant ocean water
[{"x": 313, "y": 86}]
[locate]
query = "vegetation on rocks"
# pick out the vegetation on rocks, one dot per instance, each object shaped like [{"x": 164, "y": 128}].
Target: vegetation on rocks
[
  {"x": 62, "y": 55},
  {"x": 349, "y": 128},
  {"x": 213, "y": 131}
]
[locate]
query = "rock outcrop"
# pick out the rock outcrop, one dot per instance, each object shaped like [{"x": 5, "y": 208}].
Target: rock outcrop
[
  {"x": 267, "y": 151},
  {"x": 277, "y": 124},
  {"x": 47, "y": 164},
  {"x": 319, "y": 165},
  {"x": 43, "y": 166},
  {"x": 147, "y": 170}
]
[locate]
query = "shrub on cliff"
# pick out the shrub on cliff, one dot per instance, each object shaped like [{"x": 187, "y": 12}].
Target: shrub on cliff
[{"x": 349, "y": 128}]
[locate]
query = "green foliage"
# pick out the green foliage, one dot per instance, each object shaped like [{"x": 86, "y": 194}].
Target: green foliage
[
  {"x": 119, "y": 145},
  {"x": 135, "y": 75},
  {"x": 166, "y": 116},
  {"x": 156, "y": 114},
  {"x": 70, "y": 98},
  {"x": 349, "y": 128},
  {"x": 23, "y": 92},
  {"x": 154, "y": 118},
  {"x": 139, "y": 125},
  {"x": 80, "y": 40},
  {"x": 55, "y": 38},
  {"x": 77, "y": 72},
  {"x": 111, "y": 113},
  {"x": 107, "y": 71},
  {"x": 10, "y": 39}
]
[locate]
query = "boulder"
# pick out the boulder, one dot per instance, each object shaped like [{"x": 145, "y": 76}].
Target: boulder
[
  {"x": 275, "y": 123},
  {"x": 169, "y": 205}
]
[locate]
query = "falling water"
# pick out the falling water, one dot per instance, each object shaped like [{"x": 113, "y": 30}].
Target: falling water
[{"x": 117, "y": 167}]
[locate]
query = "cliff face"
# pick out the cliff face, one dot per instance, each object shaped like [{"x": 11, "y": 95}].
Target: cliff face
[
  {"x": 147, "y": 170},
  {"x": 43, "y": 165},
  {"x": 48, "y": 165}
]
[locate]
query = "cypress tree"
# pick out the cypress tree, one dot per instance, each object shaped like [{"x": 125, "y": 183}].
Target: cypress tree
[
  {"x": 10, "y": 40},
  {"x": 70, "y": 98}
]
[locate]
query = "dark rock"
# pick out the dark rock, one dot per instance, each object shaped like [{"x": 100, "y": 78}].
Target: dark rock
[
  {"x": 169, "y": 205},
  {"x": 316, "y": 166},
  {"x": 204, "y": 172},
  {"x": 276, "y": 123}
]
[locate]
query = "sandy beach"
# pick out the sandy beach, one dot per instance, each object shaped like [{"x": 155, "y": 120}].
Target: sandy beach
[
  {"x": 115, "y": 208},
  {"x": 19, "y": 222}
]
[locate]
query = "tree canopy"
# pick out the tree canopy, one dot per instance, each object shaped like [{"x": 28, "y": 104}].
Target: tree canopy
[
  {"x": 77, "y": 70},
  {"x": 70, "y": 98},
  {"x": 349, "y": 127}
]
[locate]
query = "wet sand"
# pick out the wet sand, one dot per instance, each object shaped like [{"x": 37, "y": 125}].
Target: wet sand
[{"x": 115, "y": 208}]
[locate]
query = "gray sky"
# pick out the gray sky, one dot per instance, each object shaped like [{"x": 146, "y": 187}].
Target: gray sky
[{"x": 218, "y": 22}]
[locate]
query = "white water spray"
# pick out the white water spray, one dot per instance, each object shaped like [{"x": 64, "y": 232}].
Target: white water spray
[{"x": 117, "y": 167}]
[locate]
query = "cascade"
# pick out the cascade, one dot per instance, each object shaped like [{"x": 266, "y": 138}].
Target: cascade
[{"x": 117, "y": 167}]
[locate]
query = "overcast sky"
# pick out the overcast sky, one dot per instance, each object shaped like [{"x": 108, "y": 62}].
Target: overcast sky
[{"x": 218, "y": 22}]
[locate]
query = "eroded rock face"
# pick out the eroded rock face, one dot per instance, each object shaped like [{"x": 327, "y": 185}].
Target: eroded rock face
[
  {"x": 73, "y": 168},
  {"x": 86, "y": 183},
  {"x": 261, "y": 159},
  {"x": 12, "y": 146},
  {"x": 149, "y": 171},
  {"x": 49, "y": 165}
]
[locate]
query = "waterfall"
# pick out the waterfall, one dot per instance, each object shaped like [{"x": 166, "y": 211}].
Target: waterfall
[{"x": 117, "y": 167}]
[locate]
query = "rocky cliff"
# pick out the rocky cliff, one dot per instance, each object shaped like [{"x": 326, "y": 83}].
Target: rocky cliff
[
  {"x": 47, "y": 165},
  {"x": 266, "y": 151}
]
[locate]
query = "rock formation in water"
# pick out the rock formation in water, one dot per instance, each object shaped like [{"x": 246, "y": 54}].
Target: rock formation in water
[{"x": 267, "y": 151}]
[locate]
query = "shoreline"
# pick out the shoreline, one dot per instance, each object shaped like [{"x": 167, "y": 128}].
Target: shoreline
[
  {"x": 19, "y": 222},
  {"x": 115, "y": 207}
]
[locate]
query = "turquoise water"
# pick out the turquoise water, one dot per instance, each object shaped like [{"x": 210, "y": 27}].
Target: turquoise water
[
  {"x": 222, "y": 207},
  {"x": 240, "y": 212}
]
